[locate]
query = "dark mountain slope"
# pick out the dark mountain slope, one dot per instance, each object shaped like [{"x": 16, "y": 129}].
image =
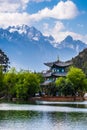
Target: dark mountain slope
[{"x": 80, "y": 60}]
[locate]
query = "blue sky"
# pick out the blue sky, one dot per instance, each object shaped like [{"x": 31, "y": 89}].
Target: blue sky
[{"x": 58, "y": 18}]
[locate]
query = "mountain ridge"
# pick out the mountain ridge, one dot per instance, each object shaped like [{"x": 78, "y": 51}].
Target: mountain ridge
[{"x": 28, "y": 48}]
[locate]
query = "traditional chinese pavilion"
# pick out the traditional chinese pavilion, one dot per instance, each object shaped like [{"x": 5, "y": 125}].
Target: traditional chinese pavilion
[{"x": 56, "y": 69}]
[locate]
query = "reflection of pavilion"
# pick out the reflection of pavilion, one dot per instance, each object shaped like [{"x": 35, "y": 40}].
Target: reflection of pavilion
[{"x": 57, "y": 69}]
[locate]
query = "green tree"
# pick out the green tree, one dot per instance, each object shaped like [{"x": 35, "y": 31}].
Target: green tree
[
  {"x": 1, "y": 82},
  {"x": 40, "y": 77},
  {"x": 21, "y": 84},
  {"x": 68, "y": 88},
  {"x": 78, "y": 80},
  {"x": 21, "y": 88},
  {"x": 33, "y": 84},
  {"x": 10, "y": 79},
  {"x": 4, "y": 61},
  {"x": 60, "y": 84},
  {"x": 27, "y": 84},
  {"x": 64, "y": 86}
]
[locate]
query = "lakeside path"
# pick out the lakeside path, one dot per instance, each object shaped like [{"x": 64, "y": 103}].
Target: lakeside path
[{"x": 43, "y": 108}]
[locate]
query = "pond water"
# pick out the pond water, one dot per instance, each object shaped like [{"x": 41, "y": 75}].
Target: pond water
[{"x": 44, "y": 116}]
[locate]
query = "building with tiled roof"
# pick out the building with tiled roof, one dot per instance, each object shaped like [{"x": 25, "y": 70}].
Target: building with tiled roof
[{"x": 56, "y": 69}]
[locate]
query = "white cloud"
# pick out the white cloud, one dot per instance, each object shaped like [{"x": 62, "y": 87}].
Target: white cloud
[
  {"x": 63, "y": 34},
  {"x": 55, "y": 31},
  {"x": 13, "y": 5},
  {"x": 59, "y": 32},
  {"x": 40, "y": 0},
  {"x": 45, "y": 26},
  {"x": 63, "y": 10},
  {"x": 12, "y": 12},
  {"x": 6, "y": 19},
  {"x": 59, "y": 26}
]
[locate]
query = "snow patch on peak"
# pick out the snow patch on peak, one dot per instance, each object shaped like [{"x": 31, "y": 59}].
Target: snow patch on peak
[
  {"x": 30, "y": 32},
  {"x": 19, "y": 29},
  {"x": 36, "y": 38}
]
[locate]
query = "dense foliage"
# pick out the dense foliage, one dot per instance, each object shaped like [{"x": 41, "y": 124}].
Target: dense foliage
[
  {"x": 25, "y": 84},
  {"x": 75, "y": 83},
  {"x": 20, "y": 85}
]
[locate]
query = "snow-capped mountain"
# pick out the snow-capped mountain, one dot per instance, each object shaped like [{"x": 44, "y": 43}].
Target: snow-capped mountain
[
  {"x": 28, "y": 48},
  {"x": 24, "y": 30},
  {"x": 30, "y": 33},
  {"x": 75, "y": 45}
]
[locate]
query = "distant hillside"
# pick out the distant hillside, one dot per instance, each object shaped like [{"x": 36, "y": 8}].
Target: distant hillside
[{"x": 80, "y": 60}]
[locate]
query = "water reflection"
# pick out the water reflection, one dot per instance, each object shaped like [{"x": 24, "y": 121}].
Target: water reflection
[
  {"x": 30, "y": 120},
  {"x": 45, "y": 116}
]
